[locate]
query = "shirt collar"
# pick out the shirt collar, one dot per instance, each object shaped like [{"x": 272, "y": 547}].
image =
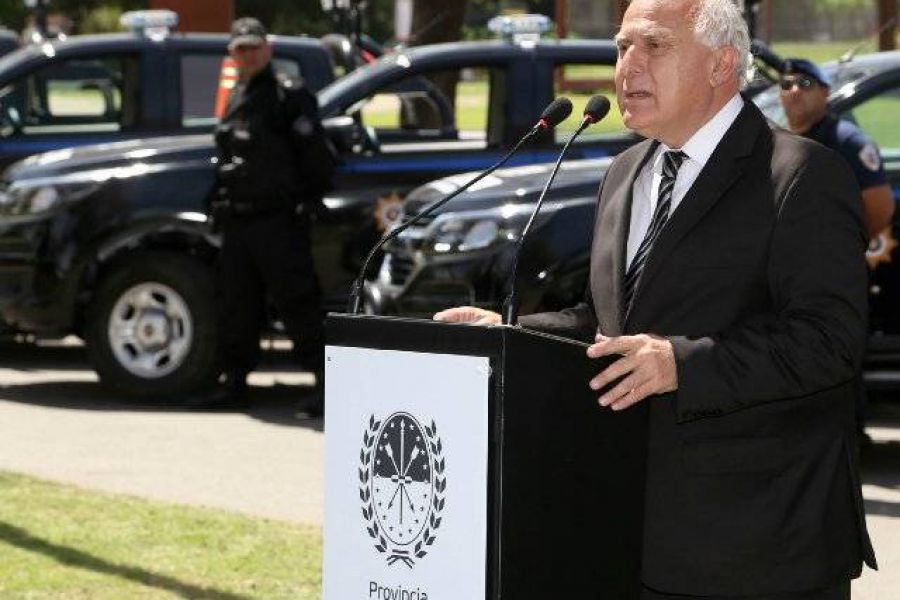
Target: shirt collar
[
  {"x": 820, "y": 128},
  {"x": 703, "y": 143}
]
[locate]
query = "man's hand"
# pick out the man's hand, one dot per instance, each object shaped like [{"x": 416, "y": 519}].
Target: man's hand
[
  {"x": 647, "y": 365},
  {"x": 468, "y": 314}
]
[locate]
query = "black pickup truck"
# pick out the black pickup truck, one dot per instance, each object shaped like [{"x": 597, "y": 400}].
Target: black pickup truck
[
  {"x": 110, "y": 241},
  {"x": 104, "y": 88},
  {"x": 462, "y": 255}
]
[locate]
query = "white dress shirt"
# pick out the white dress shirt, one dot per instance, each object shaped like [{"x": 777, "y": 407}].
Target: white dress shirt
[{"x": 646, "y": 186}]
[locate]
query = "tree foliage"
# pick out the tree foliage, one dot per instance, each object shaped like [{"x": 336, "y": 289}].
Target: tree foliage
[
  {"x": 86, "y": 15},
  {"x": 293, "y": 17}
]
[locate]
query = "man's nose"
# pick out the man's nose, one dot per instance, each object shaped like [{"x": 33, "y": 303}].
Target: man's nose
[{"x": 632, "y": 60}]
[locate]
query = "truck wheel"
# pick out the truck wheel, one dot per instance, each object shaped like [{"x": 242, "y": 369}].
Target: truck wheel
[{"x": 151, "y": 327}]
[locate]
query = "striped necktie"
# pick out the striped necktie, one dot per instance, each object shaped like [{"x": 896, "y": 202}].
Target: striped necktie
[{"x": 671, "y": 163}]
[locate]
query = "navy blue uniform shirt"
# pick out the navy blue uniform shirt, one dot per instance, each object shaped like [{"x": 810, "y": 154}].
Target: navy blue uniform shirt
[{"x": 858, "y": 150}]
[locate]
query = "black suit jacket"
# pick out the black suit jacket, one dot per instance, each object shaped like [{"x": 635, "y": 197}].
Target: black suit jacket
[{"x": 759, "y": 282}]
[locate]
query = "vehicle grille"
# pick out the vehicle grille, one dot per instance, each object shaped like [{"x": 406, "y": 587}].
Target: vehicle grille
[{"x": 401, "y": 267}]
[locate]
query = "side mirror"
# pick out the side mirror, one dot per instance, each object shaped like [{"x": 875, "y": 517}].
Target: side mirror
[
  {"x": 348, "y": 136},
  {"x": 341, "y": 131},
  {"x": 10, "y": 121}
]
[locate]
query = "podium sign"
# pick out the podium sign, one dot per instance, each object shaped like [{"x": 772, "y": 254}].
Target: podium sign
[
  {"x": 406, "y": 456},
  {"x": 473, "y": 462}
]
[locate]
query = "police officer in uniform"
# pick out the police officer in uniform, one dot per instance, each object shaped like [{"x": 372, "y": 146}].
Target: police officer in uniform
[
  {"x": 274, "y": 166},
  {"x": 804, "y": 96}
]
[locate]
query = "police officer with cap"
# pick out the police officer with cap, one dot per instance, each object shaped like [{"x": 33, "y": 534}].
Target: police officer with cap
[
  {"x": 804, "y": 96},
  {"x": 274, "y": 166}
]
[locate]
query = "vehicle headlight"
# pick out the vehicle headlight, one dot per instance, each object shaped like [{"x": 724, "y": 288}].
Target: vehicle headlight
[
  {"x": 30, "y": 200},
  {"x": 43, "y": 199},
  {"x": 469, "y": 231},
  {"x": 480, "y": 235},
  {"x": 464, "y": 235}
]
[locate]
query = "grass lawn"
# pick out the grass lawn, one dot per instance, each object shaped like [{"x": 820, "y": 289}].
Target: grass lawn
[{"x": 63, "y": 542}]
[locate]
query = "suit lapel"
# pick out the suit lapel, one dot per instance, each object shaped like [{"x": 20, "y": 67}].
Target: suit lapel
[
  {"x": 720, "y": 172},
  {"x": 613, "y": 240}
]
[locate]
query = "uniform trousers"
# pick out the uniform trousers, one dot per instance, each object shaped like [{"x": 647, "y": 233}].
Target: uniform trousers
[{"x": 268, "y": 256}]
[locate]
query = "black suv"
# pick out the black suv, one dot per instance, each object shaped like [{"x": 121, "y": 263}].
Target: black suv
[
  {"x": 462, "y": 255},
  {"x": 111, "y": 241}
]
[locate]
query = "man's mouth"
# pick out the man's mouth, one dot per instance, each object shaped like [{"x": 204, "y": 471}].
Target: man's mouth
[{"x": 637, "y": 95}]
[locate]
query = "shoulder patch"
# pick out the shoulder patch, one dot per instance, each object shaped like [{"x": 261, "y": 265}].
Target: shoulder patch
[{"x": 868, "y": 156}]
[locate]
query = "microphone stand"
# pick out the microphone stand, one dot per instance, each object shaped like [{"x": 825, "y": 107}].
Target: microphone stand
[
  {"x": 355, "y": 301},
  {"x": 511, "y": 304}
]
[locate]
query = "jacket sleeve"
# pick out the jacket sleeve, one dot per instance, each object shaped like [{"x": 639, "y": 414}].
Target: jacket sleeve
[
  {"x": 814, "y": 336},
  {"x": 315, "y": 155},
  {"x": 578, "y": 322}
]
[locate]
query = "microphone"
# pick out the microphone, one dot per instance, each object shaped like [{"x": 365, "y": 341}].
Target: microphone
[
  {"x": 555, "y": 113},
  {"x": 595, "y": 110}
]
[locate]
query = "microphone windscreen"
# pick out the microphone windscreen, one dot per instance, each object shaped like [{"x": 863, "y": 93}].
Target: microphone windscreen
[
  {"x": 556, "y": 112},
  {"x": 597, "y": 108}
]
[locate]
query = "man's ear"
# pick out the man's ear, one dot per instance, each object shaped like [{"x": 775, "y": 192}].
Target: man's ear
[{"x": 725, "y": 66}]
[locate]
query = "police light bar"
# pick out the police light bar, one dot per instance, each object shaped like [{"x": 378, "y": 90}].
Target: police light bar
[
  {"x": 154, "y": 24},
  {"x": 330, "y": 5},
  {"x": 520, "y": 28}
]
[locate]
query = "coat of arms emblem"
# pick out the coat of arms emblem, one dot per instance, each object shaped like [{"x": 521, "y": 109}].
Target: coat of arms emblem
[{"x": 401, "y": 486}]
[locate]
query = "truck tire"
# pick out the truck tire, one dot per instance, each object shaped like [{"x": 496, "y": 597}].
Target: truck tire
[{"x": 151, "y": 327}]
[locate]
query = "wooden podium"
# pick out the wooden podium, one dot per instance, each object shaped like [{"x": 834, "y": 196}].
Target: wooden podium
[{"x": 474, "y": 462}]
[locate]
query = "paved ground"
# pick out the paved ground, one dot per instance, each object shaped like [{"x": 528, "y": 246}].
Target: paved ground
[{"x": 57, "y": 423}]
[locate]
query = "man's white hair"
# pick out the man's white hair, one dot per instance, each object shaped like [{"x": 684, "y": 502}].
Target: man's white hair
[{"x": 719, "y": 23}]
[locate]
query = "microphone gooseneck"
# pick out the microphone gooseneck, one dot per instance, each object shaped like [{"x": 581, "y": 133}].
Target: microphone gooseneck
[
  {"x": 595, "y": 110},
  {"x": 555, "y": 113}
]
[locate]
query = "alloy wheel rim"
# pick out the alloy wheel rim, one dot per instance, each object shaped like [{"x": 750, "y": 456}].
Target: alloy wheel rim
[{"x": 150, "y": 330}]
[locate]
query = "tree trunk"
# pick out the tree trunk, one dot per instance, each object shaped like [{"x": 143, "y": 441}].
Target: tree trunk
[
  {"x": 200, "y": 15},
  {"x": 434, "y": 23},
  {"x": 887, "y": 13},
  {"x": 621, "y": 6}
]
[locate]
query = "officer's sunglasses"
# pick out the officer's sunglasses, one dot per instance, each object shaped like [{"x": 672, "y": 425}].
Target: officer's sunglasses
[{"x": 802, "y": 81}]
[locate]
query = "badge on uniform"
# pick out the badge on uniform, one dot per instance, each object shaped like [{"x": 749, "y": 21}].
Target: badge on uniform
[
  {"x": 304, "y": 126},
  {"x": 868, "y": 156}
]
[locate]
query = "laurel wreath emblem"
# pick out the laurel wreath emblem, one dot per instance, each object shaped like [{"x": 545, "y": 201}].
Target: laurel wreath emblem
[{"x": 438, "y": 466}]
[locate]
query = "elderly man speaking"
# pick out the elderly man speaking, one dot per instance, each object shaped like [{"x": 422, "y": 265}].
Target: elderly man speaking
[{"x": 727, "y": 278}]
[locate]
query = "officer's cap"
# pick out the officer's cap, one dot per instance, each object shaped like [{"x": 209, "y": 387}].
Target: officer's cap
[
  {"x": 806, "y": 67},
  {"x": 247, "y": 30}
]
